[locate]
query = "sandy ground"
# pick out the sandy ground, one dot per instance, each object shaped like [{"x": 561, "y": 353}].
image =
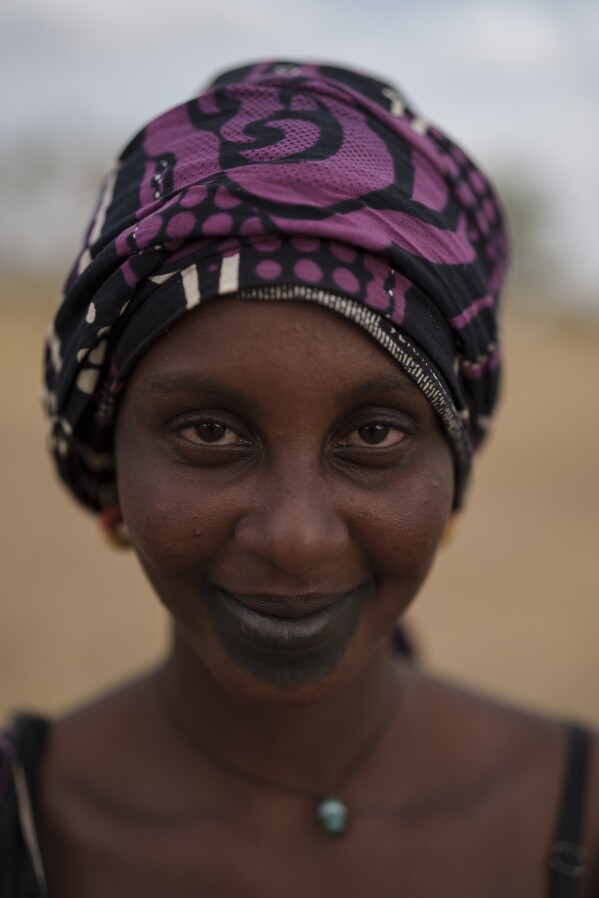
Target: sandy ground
[{"x": 512, "y": 606}]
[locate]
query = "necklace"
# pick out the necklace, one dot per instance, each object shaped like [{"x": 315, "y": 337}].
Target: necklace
[{"x": 332, "y": 814}]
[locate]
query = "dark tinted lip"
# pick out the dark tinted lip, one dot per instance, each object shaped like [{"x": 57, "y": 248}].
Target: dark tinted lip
[
  {"x": 289, "y": 607},
  {"x": 270, "y": 631}
]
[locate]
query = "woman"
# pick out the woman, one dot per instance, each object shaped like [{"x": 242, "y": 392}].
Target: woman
[{"x": 276, "y": 355}]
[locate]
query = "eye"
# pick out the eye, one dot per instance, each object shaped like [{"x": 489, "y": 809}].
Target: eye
[
  {"x": 381, "y": 435},
  {"x": 211, "y": 433}
]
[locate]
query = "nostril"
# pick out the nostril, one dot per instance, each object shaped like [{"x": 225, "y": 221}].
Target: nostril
[{"x": 296, "y": 533}]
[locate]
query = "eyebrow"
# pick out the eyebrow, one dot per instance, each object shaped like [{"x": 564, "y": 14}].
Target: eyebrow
[
  {"x": 402, "y": 384},
  {"x": 181, "y": 383},
  {"x": 190, "y": 383}
]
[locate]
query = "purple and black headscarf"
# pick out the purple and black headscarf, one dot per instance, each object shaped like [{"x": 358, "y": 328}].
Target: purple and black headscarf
[{"x": 283, "y": 181}]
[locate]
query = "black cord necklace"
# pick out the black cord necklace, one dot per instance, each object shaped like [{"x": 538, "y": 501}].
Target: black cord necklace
[{"x": 332, "y": 814}]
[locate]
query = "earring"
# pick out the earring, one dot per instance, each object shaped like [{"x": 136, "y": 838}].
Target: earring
[
  {"x": 450, "y": 530},
  {"x": 114, "y": 529}
]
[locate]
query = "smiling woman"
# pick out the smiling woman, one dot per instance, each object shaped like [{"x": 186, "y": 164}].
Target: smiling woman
[
  {"x": 285, "y": 535},
  {"x": 276, "y": 355}
]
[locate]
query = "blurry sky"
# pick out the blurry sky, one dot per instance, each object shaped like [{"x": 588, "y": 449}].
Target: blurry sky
[{"x": 517, "y": 83}]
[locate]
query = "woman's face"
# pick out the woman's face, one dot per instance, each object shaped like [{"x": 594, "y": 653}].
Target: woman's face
[{"x": 286, "y": 486}]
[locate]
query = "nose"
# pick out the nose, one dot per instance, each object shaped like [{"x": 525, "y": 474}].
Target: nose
[{"x": 295, "y": 524}]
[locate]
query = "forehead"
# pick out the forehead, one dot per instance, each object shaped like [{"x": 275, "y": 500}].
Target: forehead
[{"x": 230, "y": 340}]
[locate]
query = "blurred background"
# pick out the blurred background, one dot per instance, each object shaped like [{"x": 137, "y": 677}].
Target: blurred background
[{"x": 512, "y": 606}]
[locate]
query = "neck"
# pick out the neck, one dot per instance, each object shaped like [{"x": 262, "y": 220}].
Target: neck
[{"x": 306, "y": 744}]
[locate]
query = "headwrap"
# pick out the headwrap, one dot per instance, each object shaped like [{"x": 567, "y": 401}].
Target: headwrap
[{"x": 283, "y": 181}]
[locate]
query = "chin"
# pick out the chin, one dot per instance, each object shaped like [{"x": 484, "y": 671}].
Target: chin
[
  {"x": 312, "y": 675},
  {"x": 285, "y": 682}
]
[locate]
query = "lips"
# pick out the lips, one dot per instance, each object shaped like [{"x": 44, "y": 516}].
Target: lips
[
  {"x": 286, "y": 606},
  {"x": 284, "y": 624}
]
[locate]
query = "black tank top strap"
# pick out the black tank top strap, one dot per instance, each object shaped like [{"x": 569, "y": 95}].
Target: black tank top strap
[
  {"x": 30, "y": 736},
  {"x": 568, "y": 857},
  {"x": 22, "y": 747}
]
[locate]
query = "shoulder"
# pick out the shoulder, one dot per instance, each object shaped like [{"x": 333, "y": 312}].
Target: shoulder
[
  {"x": 530, "y": 764},
  {"x": 89, "y": 747},
  {"x": 110, "y": 759},
  {"x": 95, "y": 766}
]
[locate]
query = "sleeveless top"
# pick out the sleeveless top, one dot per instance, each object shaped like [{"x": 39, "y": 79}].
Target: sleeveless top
[{"x": 21, "y": 865}]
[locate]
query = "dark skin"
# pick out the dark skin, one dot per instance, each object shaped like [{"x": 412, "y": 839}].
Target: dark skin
[{"x": 273, "y": 453}]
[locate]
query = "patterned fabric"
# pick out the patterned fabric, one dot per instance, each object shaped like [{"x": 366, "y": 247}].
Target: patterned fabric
[{"x": 284, "y": 182}]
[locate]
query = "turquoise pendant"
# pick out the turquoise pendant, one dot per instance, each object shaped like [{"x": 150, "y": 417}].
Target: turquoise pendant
[{"x": 332, "y": 816}]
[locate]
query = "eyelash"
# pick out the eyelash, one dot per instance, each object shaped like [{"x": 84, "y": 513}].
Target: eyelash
[
  {"x": 343, "y": 443},
  {"x": 389, "y": 426},
  {"x": 213, "y": 422}
]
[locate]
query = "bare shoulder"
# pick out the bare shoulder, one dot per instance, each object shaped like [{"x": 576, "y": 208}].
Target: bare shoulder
[
  {"x": 94, "y": 776},
  {"x": 100, "y": 750},
  {"x": 526, "y": 755},
  {"x": 97, "y": 726}
]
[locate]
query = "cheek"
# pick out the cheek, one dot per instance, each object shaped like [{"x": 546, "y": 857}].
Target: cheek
[
  {"x": 423, "y": 517},
  {"x": 402, "y": 527},
  {"x": 172, "y": 521}
]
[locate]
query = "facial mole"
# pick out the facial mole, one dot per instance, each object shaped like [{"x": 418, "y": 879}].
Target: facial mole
[{"x": 198, "y": 531}]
